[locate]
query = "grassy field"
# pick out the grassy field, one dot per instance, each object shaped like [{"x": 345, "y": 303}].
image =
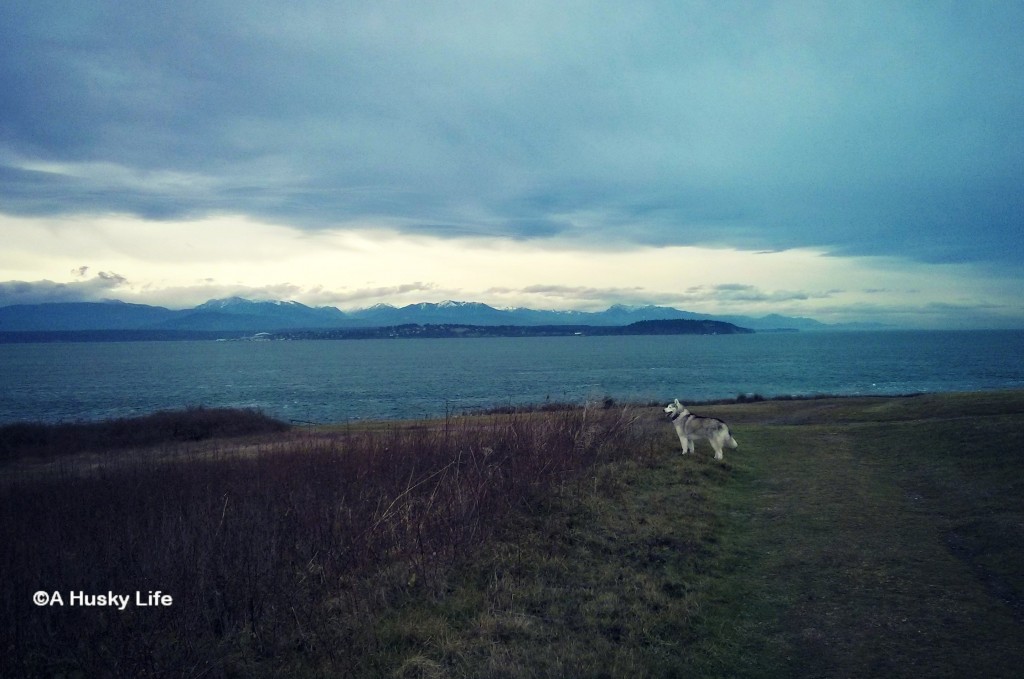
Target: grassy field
[{"x": 874, "y": 537}]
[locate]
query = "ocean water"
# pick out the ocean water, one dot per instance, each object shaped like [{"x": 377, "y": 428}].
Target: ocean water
[{"x": 338, "y": 381}]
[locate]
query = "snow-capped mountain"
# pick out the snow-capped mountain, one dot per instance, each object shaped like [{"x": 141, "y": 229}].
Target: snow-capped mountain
[
  {"x": 448, "y": 311},
  {"x": 244, "y": 315},
  {"x": 237, "y": 313}
]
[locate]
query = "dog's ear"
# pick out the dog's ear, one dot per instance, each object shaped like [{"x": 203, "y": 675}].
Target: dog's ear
[{"x": 678, "y": 403}]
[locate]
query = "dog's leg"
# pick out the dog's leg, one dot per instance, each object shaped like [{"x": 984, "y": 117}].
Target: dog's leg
[
  {"x": 716, "y": 443},
  {"x": 685, "y": 443}
]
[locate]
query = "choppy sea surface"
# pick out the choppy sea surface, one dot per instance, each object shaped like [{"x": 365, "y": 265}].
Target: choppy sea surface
[{"x": 337, "y": 381}]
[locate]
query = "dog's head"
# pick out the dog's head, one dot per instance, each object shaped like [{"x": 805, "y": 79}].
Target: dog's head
[{"x": 675, "y": 408}]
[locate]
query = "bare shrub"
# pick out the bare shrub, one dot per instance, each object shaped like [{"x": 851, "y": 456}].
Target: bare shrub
[
  {"x": 35, "y": 439},
  {"x": 277, "y": 559}
]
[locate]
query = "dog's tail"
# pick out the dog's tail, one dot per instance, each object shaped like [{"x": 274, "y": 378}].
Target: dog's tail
[{"x": 731, "y": 442}]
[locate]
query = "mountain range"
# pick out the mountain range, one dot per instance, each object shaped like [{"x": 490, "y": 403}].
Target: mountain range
[{"x": 235, "y": 314}]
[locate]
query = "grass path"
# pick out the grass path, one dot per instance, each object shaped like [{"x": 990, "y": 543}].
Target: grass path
[
  {"x": 863, "y": 548},
  {"x": 845, "y": 538}
]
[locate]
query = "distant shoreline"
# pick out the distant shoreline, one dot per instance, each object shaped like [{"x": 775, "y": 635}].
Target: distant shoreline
[{"x": 404, "y": 331}]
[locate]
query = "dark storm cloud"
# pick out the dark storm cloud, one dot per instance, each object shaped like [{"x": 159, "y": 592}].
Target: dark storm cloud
[
  {"x": 861, "y": 128},
  {"x": 84, "y": 289}
]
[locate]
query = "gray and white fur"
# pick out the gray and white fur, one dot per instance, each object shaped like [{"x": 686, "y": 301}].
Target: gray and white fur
[{"x": 690, "y": 427}]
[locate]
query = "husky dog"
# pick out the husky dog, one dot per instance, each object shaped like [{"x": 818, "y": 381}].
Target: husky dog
[{"x": 690, "y": 427}]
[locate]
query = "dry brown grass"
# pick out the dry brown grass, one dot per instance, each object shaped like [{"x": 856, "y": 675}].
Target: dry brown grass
[{"x": 277, "y": 560}]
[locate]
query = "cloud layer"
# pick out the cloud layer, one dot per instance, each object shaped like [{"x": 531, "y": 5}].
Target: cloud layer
[
  {"x": 183, "y": 263},
  {"x": 858, "y": 128},
  {"x": 841, "y": 160}
]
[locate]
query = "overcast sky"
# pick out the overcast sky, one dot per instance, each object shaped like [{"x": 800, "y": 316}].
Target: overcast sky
[{"x": 844, "y": 161}]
